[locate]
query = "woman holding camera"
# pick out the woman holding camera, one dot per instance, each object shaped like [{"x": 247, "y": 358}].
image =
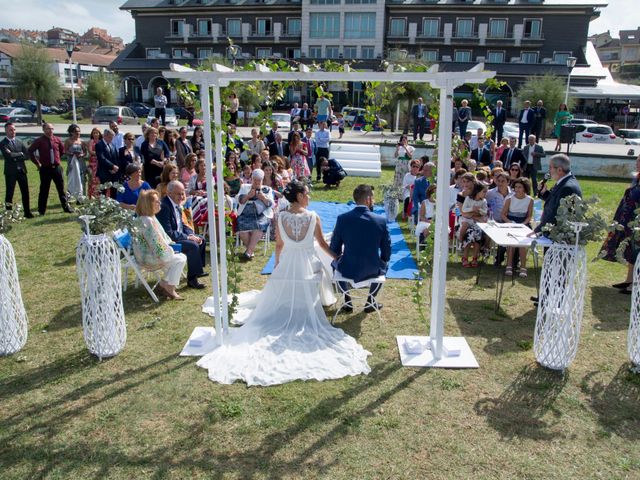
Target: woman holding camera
[{"x": 255, "y": 211}]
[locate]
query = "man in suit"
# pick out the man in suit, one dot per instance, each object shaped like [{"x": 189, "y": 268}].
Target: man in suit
[
  {"x": 108, "y": 161},
  {"x": 271, "y": 136},
  {"x": 566, "y": 184},
  {"x": 526, "y": 120},
  {"x": 532, "y": 153},
  {"x": 306, "y": 116},
  {"x": 499, "y": 119},
  {"x": 512, "y": 155},
  {"x": 15, "y": 170},
  {"x": 363, "y": 245},
  {"x": 312, "y": 148},
  {"x": 480, "y": 154},
  {"x": 419, "y": 115},
  {"x": 183, "y": 147},
  {"x": 420, "y": 186},
  {"x": 278, "y": 147},
  {"x": 540, "y": 117},
  {"x": 193, "y": 246}
]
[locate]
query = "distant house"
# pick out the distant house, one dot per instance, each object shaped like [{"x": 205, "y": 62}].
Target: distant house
[{"x": 617, "y": 52}]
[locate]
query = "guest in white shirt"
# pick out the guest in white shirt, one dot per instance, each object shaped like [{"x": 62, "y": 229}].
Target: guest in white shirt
[{"x": 323, "y": 141}]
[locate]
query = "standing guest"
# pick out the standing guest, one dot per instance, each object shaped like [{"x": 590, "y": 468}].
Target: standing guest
[
  {"x": 340, "y": 119},
  {"x": 323, "y": 142},
  {"x": 169, "y": 174},
  {"x": 296, "y": 129},
  {"x": 532, "y": 153},
  {"x": 625, "y": 213},
  {"x": 540, "y": 118},
  {"x": 332, "y": 172},
  {"x": 306, "y": 117},
  {"x": 420, "y": 188},
  {"x": 407, "y": 185},
  {"x": 464, "y": 117},
  {"x": 154, "y": 152},
  {"x": 278, "y": 147},
  {"x": 234, "y": 105},
  {"x": 133, "y": 185},
  {"x": 108, "y": 161},
  {"x": 255, "y": 144},
  {"x": 189, "y": 169},
  {"x": 127, "y": 154},
  {"x": 512, "y": 154},
  {"x": 518, "y": 208},
  {"x": 271, "y": 136},
  {"x": 152, "y": 246},
  {"x": 118, "y": 136},
  {"x": 298, "y": 158},
  {"x": 476, "y": 139},
  {"x": 76, "y": 152},
  {"x": 232, "y": 175},
  {"x": 160, "y": 103},
  {"x": 234, "y": 141},
  {"x": 312, "y": 148},
  {"x": 15, "y": 171},
  {"x": 295, "y": 113},
  {"x": 322, "y": 109},
  {"x": 255, "y": 211},
  {"x": 562, "y": 118},
  {"x": 454, "y": 122},
  {"x": 526, "y": 120},
  {"x": 403, "y": 155},
  {"x": 140, "y": 139},
  {"x": 50, "y": 149},
  {"x": 197, "y": 140},
  {"x": 433, "y": 127},
  {"x": 193, "y": 246},
  {"x": 419, "y": 116},
  {"x": 183, "y": 147},
  {"x": 95, "y": 137},
  {"x": 499, "y": 119}
]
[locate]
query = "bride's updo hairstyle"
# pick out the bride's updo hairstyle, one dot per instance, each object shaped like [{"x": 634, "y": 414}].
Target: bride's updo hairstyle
[{"x": 293, "y": 189}]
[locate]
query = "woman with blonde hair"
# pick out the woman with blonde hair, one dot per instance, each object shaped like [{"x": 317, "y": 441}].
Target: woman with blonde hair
[
  {"x": 189, "y": 169},
  {"x": 169, "y": 173}
]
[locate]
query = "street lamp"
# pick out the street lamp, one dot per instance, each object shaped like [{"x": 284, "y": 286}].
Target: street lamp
[
  {"x": 69, "y": 47},
  {"x": 571, "y": 62}
]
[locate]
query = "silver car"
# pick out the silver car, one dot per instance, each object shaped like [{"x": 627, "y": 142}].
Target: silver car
[
  {"x": 16, "y": 115},
  {"x": 115, "y": 113},
  {"x": 170, "y": 119}
]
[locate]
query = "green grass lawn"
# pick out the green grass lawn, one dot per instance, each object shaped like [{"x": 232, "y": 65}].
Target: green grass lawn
[{"x": 148, "y": 413}]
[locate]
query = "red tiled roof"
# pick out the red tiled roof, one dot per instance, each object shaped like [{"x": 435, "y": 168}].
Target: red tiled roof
[{"x": 14, "y": 49}]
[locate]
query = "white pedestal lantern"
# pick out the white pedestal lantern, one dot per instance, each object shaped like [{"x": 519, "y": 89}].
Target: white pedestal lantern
[
  {"x": 633, "y": 339},
  {"x": 13, "y": 318},
  {"x": 98, "y": 265},
  {"x": 391, "y": 208},
  {"x": 561, "y": 304}
]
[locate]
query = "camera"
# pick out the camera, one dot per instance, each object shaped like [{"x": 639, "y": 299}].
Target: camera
[{"x": 264, "y": 190}]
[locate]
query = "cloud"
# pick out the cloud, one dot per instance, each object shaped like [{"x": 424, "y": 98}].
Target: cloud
[{"x": 619, "y": 15}]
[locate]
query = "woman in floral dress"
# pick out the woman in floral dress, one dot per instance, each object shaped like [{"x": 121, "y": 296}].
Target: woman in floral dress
[{"x": 298, "y": 157}]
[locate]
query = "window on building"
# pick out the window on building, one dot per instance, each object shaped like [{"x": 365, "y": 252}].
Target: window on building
[
  {"x": 430, "y": 56},
  {"x": 324, "y": 25},
  {"x": 153, "y": 52},
  {"x": 533, "y": 28},
  {"x": 398, "y": 27},
  {"x": 293, "y": 53},
  {"x": 332, "y": 51},
  {"x": 359, "y": 1},
  {"x": 178, "y": 52},
  {"x": 431, "y": 27},
  {"x": 368, "y": 53},
  {"x": 561, "y": 57},
  {"x": 350, "y": 52},
  {"x": 462, "y": 56},
  {"x": 464, "y": 27},
  {"x": 177, "y": 27},
  {"x": 360, "y": 25},
  {"x": 325, "y": 2},
  {"x": 263, "y": 27},
  {"x": 204, "y": 27},
  {"x": 529, "y": 57},
  {"x": 263, "y": 52},
  {"x": 204, "y": 53},
  {"x": 294, "y": 26},
  {"x": 315, "y": 52},
  {"x": 498, "y": 28},
  {"x": 495, "y": 57},
  {"x": 234, "y": 27}
]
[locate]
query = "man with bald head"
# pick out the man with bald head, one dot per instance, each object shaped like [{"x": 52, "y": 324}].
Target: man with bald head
[{"x": 107, "y": 156}]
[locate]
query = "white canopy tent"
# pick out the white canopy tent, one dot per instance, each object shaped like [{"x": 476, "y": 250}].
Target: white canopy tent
[{"x": 438, "y": 351}]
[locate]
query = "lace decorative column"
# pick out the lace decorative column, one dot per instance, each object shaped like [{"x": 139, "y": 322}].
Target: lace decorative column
[
  {"x": 561, "y": 304},
  {"x": 391, "y": 208},
  {"x": 98, "y": 265},
  {"x": 633, "y": 338},
  {"x": 13, "y": 318}
]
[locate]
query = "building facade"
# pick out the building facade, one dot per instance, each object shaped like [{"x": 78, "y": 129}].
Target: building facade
[
  {"x": 617, "y": 52},
  {"x": 516, "y": 38}
]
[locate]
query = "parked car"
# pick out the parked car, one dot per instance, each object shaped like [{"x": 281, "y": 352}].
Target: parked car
[
  {"x": 630, "y": 136},
  {"x": 350, "y": 113},
  {"x": 115, "y": 113},
  {"x": 582, "y": 121},
  {"x": 141, "y": 109},
  {"x": 511, "y": 129},
  {"x": 359, "y": 123},
  {"x": 588, "y": 133},
  {"x": 170, "y": 119},
  {"x": 30, "y": 105},
  {"x": 251, "y": 114},
  {"x": 16, "y": 115},
  {"x": 283, "y": 120}
]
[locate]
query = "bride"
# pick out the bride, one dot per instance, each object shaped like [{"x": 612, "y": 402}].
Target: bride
[{"x": 288, "y": 337}]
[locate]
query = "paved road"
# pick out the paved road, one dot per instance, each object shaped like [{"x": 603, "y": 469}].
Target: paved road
[{"x": 361, "y": 137}]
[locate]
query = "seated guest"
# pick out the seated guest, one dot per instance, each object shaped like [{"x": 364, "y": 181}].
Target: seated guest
[
  {"x": 272, "y": 179},
  {"x": 515, "y": 172},
  {"x": 426, "y": 212},
  {"x": 152, "y": 247},
  {"x": 255, "y": 210},
  {"x": 189, "y": 169},
  {"x": 407, "y": 186},
  {"x": 197, "y": 140},
  {"x": 518, "y": 208},
  {"x": 197, "y": 189},
  {"x": 332, "y": 172},
  {"x": 193, "y": 246},
  {"x": 456, "y": 188},
  {"x": 245, "y": 177},
  {"x": 231, "y": 174},
  {"x": 169, "y": 174},
  {"x": 495, "y": 201},
  {"x": 133, "y": 186},
  {"x": 420, "y": 188},
  {"x": 283, "y": 169}
]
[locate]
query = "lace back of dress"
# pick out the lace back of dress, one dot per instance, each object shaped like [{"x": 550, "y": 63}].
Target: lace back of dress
[{"x": 296, "y": 226}]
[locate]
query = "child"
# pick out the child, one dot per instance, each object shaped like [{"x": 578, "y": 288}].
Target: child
[
  {"x": 332, "y": 172},
  {"x": 518, "y": 208},
  {"x": 474, "y": 209},
  {"x": 246, "y": 174},
  {"x": 426, "y": 212},
  {"x": 407, "y": 183},
  {"x": 340, "y": 124}
]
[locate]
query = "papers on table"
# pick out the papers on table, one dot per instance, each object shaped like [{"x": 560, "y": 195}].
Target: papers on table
[{"x": 512, "y": 235}]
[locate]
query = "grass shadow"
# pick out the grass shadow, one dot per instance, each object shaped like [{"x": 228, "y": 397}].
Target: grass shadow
[
  {"x": 610, "y": 308},
  {"x": 69, "y": 316},
  {"x": 521, "y": 409},
  {"x": 66, "y": 262},
  {"x": 352, "y": 323}
]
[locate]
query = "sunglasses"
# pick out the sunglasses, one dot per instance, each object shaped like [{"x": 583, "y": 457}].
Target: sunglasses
[{"x": 514, "y": 169}]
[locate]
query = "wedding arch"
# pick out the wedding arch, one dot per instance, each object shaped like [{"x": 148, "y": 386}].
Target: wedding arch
[{"x": 442, "y": 351}]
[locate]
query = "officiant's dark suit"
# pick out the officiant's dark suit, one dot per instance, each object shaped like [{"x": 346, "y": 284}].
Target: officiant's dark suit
[
  {"x": 15, "y": 170},
  {"x": 361, "y": 240},
  {"x": 108, "y": 158}
]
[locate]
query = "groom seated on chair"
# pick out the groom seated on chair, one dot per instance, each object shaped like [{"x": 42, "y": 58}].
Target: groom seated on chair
[
  {"x": 363, "y": 245},
  {"x": 193, "y": 246}
]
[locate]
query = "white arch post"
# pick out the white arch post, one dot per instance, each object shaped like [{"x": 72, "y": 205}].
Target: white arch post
[{"x": 435, "y": 350}]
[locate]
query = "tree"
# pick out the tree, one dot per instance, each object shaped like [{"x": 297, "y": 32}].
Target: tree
[
  {"x": 34, "y": 77},
  {"x": 548, "y": 88},
  {"x": 101, "y": 88}
]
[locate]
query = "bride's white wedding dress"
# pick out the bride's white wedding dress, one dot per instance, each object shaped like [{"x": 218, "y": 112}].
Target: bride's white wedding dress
[{"x": 288, "y": 337}]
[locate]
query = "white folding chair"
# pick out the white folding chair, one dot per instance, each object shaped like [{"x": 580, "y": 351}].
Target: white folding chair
[
  {"x": 122, "y": 239},
  {"x": 266, "y": 239},
  {"x": 357, "y": 291}
]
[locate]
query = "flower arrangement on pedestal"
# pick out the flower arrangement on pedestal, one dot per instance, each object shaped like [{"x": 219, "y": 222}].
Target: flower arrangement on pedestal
[{"x": 107, "y": 214}]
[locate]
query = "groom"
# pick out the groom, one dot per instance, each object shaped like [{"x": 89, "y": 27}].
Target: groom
[{"x": 366, "y": 242}]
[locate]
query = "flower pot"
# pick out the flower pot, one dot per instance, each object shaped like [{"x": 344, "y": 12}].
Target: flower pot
[
  {"x": 391, "y": 208},
  {"x": 13, "y": 318},
  {"x": 99, "y": 274},
  {"x": 560, "y": 306},
  {"x": 633, "y": 337}
]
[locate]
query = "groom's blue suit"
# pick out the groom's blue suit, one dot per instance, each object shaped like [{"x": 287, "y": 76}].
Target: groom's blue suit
[{"x": 366, "y": 241}]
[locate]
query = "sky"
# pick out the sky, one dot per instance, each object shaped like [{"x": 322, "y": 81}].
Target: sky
[{"x": 79, "y": 16}]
